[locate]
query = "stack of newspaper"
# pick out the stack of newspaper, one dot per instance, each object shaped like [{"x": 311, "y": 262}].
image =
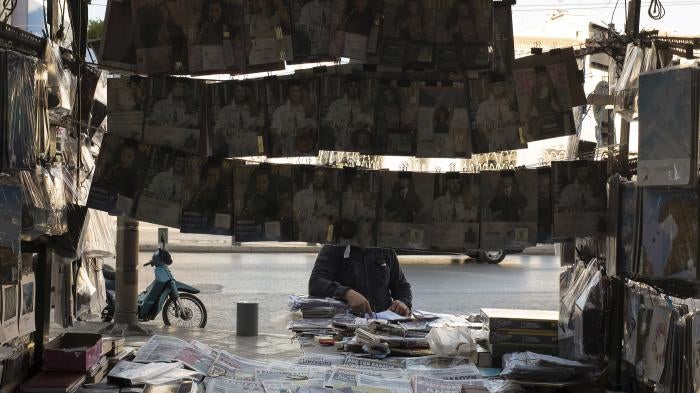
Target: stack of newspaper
[
  {"x": 316, "y": 307},
  {"x": 529, "y": 366}
]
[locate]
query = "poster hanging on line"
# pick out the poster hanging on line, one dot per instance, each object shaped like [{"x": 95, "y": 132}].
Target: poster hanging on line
[
  {"x": 494, "y": 113},
  {"x": 237, "y": 119},
  {"x": 216, "y": 36},
  {"x": 579, "y": 199},
  {"x": 119, "y": 174},
  {"x": 293, "y": 106},
  {"x": 406, "y": 210},
  {"x": 207, "y": 203},
  {"x": 408, "y": 33},
  {"x": 269, "y": 34},
  {"x": 396, "y": 117},
  {"x": 160, "y": 202},
  {"x": 547, "y": 88},
  {"x": 358, "y": 208},
  {"x": 161, "y": 35},
  {"x": 464, "y": 34},
  {"x": 174, "y": 114},
  {"x": 456, "y": 212},
  {"x": 126, "y": 98},
  {"x": 508, "y": 209},
  {"x": 443, "y": 123},
  {"x": 312, "y": 24},
  {"x": 263, "y": 202},
  {"x": 347, "y": 113},
  {"x": 316, "y": 204},
  {"x": 355, "y": 30}
]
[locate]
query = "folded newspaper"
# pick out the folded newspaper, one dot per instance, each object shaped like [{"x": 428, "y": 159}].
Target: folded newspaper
[
  {"x": 160, "y": 349},
  {"x": 302, "y": 302}
]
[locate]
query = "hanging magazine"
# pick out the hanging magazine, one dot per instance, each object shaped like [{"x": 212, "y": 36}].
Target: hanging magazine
[
  {"x": 160, "y": 201},
  {"x": 464, "y": 34},
  {"x": 355, "y": 30},
  {"x": 316, "y": 204},
  {"x": 216, "y": 36},
  {"x": 263, "y": 202},
  {"x": 312, "y": 23},
  {"x": 579, "y": 199},
  {"x": 408, "y": 34},
  {"x": 126, "y": 97},
  {"x": 207, "y": 203},
  {"x": 237, "y": 119},
  {"x": 456, "y": 212},
  {"x": 269, "y": 34},
  {"x": 293, "y": 106},
  {"x": 443, "y": 123},
  {"x": 406, "y": 210},
  {"x": 508, "y": 209},
  {"x": 174, "y": 114},
  {"x": 347, "y": 113},
  {"x": 548, "y": 87},
  {"x": 358, "y": 208},
  {"x": 396, "y": 117}
]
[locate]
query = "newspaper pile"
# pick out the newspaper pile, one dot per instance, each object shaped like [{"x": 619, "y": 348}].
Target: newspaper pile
[
  {"x": 168, "y": 360},
  {"x": 529, "y": 366},
  {"x": 311, "y": 307}
]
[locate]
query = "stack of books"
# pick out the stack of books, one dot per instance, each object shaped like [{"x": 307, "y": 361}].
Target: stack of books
[{"x": 520, "y": 331}]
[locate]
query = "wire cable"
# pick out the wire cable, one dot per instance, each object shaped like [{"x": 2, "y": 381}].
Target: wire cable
[{"x": 656, "y": 10}]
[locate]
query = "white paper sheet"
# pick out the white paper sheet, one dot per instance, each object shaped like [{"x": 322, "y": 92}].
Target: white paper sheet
[{"x": 27, "y": 304}]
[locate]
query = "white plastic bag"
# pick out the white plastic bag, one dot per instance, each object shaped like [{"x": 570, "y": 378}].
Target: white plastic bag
[
  {"x": 451, "y": 341},
  {"x": 83, "y": 285}
]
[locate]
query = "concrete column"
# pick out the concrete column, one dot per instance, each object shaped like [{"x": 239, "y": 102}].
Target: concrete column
[{"x": 127, "y": 278}]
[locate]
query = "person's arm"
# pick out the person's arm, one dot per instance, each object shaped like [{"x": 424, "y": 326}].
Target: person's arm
[
  {"x": 322, "y": 281},
  {"x": 398, "y": 285}
]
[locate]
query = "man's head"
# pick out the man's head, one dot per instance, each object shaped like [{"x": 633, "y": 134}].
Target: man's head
[
  {"x": 442, "y": 115},
  {"x": 404, "y": 181},
  {"x": 352, "y": 87},
  {"x": 360, "y": 5},
  {"x": 454, "y": 186},
  {"x": 240, "y": 94},
  {"x": 295, "y": 93},
  {"x": 178, "y": 90},
  {"x": 542, "y": 77},
  {"x": 358, "y": 183},
  {"x": 262, "y": 183},
  {"x": 582, "y": 174},
  {"x": 319, "y": 179},
  {"x": 215, "y": 10},
  {"x": 127, "y": 156},
  {"x": 389, "y": 96},
  {"x": 508, "y": 183},
  {"x": 179, "y": 165},
  {"x": 212, "y": 175},
  {"x": 498, "y": 89}
]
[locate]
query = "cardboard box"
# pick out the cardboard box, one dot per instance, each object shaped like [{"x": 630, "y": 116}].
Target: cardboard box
[{"x": 73, "y": 352}]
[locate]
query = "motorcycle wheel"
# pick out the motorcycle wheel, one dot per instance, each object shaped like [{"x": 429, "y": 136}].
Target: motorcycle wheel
[{"x": 193, "y": 313}]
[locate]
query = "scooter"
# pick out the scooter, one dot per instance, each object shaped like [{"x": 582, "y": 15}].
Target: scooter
[{"x": 180, "y": 307}]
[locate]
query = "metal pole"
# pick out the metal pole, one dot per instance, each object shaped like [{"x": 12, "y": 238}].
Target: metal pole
[
  {"x": 631, "y": 29},
  {"x": 126, "y": 308}
]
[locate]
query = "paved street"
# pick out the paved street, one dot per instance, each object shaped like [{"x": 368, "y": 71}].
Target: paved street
[{"x": 528, "y": 282}]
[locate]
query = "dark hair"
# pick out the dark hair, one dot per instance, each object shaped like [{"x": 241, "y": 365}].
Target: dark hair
[{"x": 211, "y": 164}]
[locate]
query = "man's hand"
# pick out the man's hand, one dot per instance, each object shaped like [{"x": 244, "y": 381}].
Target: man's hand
[
  {"x": 400, "y": 308},
  {"x": 358, "y": 303}
]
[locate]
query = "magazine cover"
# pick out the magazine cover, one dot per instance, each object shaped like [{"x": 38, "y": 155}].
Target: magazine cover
[
  {"x": 118, "y": 43},
  {"x": 355, "y": 29},
  {"x": 293, "y": 106},
  {"x": 547, "y": 86},
  {"x": 119, "y": 173},
  {"x": 263, "y": 202},
  {"x": 174, "y": 114},
  {"x": 669, "y": 234},
  {"x": 443, "y": 123},
  {"x": 396, "y": 117},
  {"x": 406, "y": 211},
  {"x": 668, "y": 122},
  {"x": 316, "y": 204},
  {"x": 312, "y": 24},
  {"x": 358, "y": 208},
  {"x": 237, "y": 118},
  {"x": 503, "y": 41},
  {"x": 11, "y": 198},
  {"x": 207, "y": 203},
  {"x": 579, "y": 199},
  {"x": 347, "y": 113},
  {"x": 160, "y": 202},
  {"x": 508, "y": 209},
  {"x": 408, "y": 33},
  {"x": 161, "y": 35},
  {"x": 126, "y": 97},
  {"x": 269, "y": 34},
  {"x": 216, "y": 36},
  {"x": 456, "y": 212},
  {"x": 494, "y": 114},
  {"x": 464, "y": 34}
]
